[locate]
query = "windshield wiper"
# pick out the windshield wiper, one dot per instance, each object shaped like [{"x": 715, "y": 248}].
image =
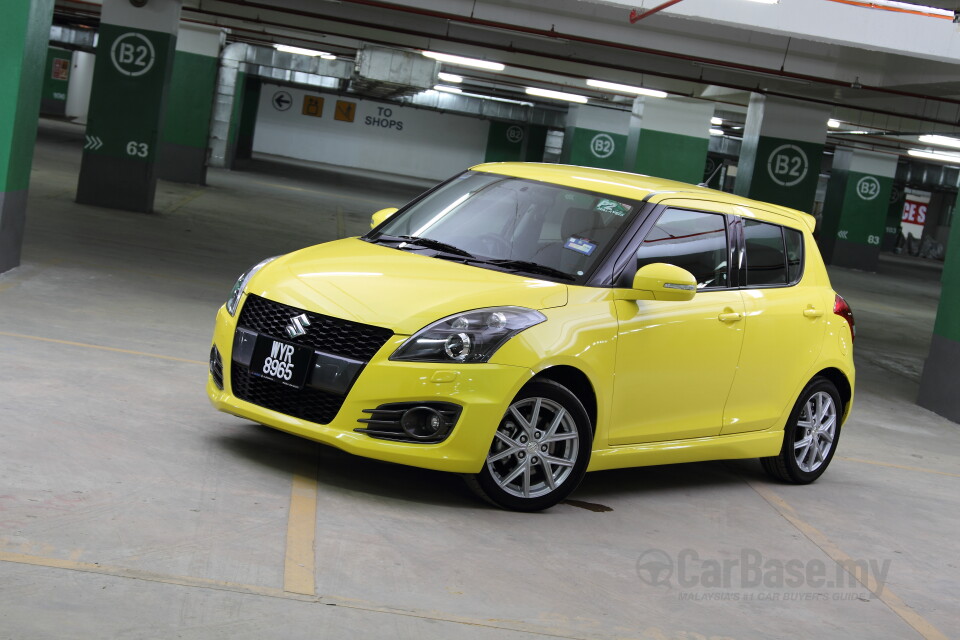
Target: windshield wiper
[
  {"x": 527, "y": 267},
  {"x": 428, "y": 243}
]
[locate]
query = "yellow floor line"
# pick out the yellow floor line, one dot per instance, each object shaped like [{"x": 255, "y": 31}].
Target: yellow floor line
[
  {"x": 898, "y": 466},
  {"x": 299, "y": 564},
  {"x": 101, "y": 347},
  {"x": 137, "y": 574},
  {"x": 187, "y": 199},
  {"x": 881, "y": 591},
  {"x": 19, "y": 276}
]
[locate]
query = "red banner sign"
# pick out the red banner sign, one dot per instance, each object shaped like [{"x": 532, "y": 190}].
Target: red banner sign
[{"x": 914, "y": 212}]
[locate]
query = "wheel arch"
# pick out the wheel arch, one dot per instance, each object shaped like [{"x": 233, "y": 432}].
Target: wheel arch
[
  {"x": 840, "y": 381},
  {"x": 577, "y": 382}
]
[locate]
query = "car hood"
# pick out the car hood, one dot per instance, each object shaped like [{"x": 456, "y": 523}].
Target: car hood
[{"x": 399, "y": 290}]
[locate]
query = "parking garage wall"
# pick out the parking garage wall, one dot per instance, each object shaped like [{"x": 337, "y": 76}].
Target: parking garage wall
[{"x": 366, "y": 134}]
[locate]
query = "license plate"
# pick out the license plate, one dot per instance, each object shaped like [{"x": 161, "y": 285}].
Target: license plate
[{"x": 279, "y": 361}]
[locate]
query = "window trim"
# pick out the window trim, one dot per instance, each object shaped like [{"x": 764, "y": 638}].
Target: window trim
[
  {"x": 622, "y": 264},
  {"x": 742, "y": 258}
]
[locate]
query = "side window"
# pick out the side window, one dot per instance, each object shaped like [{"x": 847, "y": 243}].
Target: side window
[
  {"x": 766, "y": 257},
  {"x": 693, "y": 240},
  {"x": 794, "y": 254}
]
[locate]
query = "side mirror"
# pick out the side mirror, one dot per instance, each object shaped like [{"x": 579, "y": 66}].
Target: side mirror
[
  {"x": 381, "y": 215},
  {"x": 662, "y": 282}
]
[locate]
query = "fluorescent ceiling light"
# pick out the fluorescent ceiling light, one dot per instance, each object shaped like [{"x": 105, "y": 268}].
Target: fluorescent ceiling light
[
  {"x": 716, "y": 132},
  {"x": 626, "y": 88},
  {"x": 498, "y": 99},
  {"x": 715, "y": 120},
  {"x": 450, "y": 77},
  {"x": 464, "y": 62},
  {"x": 766, "y": 1},
  {"x": 933, "y": 155},
  {"x": 448, "y": 89},
  {"x": 556, "y": 95},
  {"x": 943, "y": 141},
  {"x": 833, "y": 124},
  {"x": 304, "y": 52}
]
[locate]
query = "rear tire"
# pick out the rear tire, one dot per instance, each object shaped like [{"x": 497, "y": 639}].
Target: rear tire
[
  {"x": 540, "y": 451},
  {"x": 810, "y": 436}
]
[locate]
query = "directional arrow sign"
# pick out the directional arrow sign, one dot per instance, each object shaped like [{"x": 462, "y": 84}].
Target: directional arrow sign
[
  {"x": 282, "y": 101},
  {"x": 93, "y": 143}
]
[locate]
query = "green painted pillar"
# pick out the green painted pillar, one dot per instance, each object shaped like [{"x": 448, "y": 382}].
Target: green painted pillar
[
  {"x": 512, "y": 142},
  {"x": 782, "y": 147},
  {"x": 669, "y": 138},
  {"x": 244, "y": 124},
  {"x": 24, "y": 37},
  {"x": 939, "y": 383},
  {"x": 596, "y": 137},
  {"x": 127, "y": 103},
  {"x": 56, "y": 78},
  {"x": 856, "y": 206},
  {"x": 186, "y": 126},
  {"x": 891, "y": 232}
]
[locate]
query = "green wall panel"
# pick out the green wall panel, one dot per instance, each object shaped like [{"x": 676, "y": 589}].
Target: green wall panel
[
  {"x": 55, "y": 78},
  {"x": 671, "y": 155},
  {"x": 505, "y": 142},
  {"x": 780, "y": 171},
  {"x": 126, "y": 105},
  {"x": 190, "y": 100},
  {"x": 536, "y": 143},
  {"x": 24, "y": 38},
  {"x": 948, "y": 313},
  {"x": 591, "y": 148}
]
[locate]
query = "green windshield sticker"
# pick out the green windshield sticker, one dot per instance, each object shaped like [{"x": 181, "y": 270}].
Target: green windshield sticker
[{"x": 612, "y": 206}]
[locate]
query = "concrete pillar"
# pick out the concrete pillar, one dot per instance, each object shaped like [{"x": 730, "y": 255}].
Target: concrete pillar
[
  {"x": 78, "y": 90},
  {"x": 186, "y": 126},
  {"x": 24, "y": 36},
  {"x": 127, "y": 103},
  {"x": 669, "y": 138},
  {"x": 940, "y": 382},
  {"x": 56, "y": 79},
  {"x": 596, "y": 137},
  {"x": 855, "y": 209},
  {"x": 891, "y": 232},
  {"x": 782, "y": 147},
  {"x": 511, "y": 142}
]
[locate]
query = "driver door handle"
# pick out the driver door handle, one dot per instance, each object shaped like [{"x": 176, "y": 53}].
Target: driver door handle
[
  {"x": 812, "y": 312},
  {"x": 729, "y": 317}
]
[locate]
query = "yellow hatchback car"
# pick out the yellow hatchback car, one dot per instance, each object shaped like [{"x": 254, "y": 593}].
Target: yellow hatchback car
[{"x": 526, "y": 323}]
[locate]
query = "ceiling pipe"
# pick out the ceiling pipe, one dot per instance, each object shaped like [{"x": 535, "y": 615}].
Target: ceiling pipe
[{"x": 636, "y": 16}]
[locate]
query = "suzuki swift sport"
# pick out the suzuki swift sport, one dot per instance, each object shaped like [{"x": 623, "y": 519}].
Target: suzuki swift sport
[{"x": 523, "y": 324}]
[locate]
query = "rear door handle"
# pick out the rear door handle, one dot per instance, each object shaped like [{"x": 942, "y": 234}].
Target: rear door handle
[
  {"x": 812, "y": 312},
  {"x": 729, "y": 317}
]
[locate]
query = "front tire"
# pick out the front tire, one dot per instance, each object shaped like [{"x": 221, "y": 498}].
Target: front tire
[
  {"x": 811, "y": 435},
  {"x": 540, "y": 451}
]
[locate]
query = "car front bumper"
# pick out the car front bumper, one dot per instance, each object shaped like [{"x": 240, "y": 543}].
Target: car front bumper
[{"x": 484, "y": 391}]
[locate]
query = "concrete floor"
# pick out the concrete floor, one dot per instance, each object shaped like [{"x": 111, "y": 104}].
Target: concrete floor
[{"x": 129, "y": 508}]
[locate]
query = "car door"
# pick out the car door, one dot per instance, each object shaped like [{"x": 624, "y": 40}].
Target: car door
[
  {"x": 786, "y": 313},
  {"x": 676, "y": 360}
]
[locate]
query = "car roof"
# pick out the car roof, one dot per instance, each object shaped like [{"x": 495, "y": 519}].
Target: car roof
[{"x": 634, "y": 186}]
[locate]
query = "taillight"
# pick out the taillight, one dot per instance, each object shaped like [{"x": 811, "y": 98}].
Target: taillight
[{"x": 842, "y": 309}]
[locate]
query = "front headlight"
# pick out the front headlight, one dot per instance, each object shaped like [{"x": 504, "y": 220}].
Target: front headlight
[
  {"x": 471, "y": 336},
  {"x": 241, "y": 284}
]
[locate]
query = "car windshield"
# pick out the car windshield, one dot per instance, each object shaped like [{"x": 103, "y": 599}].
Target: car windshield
[{"x": 511, "y": 224}]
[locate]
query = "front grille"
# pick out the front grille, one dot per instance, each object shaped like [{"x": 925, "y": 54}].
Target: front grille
[
  {"x": 326, "y": 334},
  {"x": 330, "y": 335},
  {"x": 308, "y": 404},
  {"x": 216, "y": 367}
]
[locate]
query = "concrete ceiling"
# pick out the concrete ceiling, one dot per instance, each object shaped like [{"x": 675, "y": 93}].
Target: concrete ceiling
[{"x": 879, "y": 70}]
